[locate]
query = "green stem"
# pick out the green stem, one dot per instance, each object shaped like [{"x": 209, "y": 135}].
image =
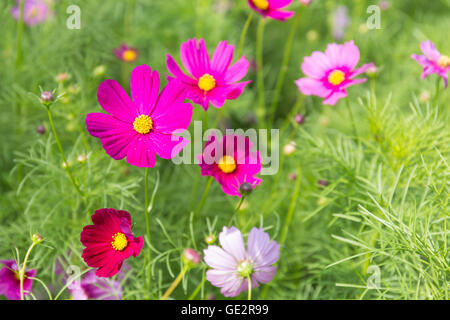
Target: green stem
[
  {"x": 23, "y": 269},
  {"x": 204, "y": 196},
  {"x": 284, "y": 65},
  {"x": 436, "y": 94},
  {"x": 175, "y": 283},
  {"x": 197, "y": 290},
  {"x": 63, "y": 156},
  {"x": 292, "y": 205},
  {"x": 260, "y": 71},
  {"x": 352, "y": 119},
  {"x": 19, "y": 54},
  {"x": 249, "y": 288},
  {"x": 236, "y": 210},
  {"x": 244, "y": 33},
  {"x": 147, "y": 223}
]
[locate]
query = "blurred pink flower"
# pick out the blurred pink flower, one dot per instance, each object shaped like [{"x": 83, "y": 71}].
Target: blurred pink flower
[
  {"x": 231, "y": 162},
  {"x": 271, "y": 8},
  {"x": 329, "y": 74},
  {"x": 126, "y": 53},
  {"x": 209, "y": 80},
  {"x": 92, "y": 287},
  {"x": 10, "y": 282},
  {"x": 35, "y": 11},
  {"x": 233, "y": 264},
  {"x": 138, "y": 128},
  {"x": 433, "y": 61}
]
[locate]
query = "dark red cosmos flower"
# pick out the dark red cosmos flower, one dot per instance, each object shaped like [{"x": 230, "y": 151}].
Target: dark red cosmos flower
[{"x": 109, "y": 241}]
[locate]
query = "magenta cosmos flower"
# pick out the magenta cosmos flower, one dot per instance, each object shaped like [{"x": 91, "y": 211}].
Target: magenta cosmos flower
[
  {"x": 233, "y": 264},
  {"x": 109, "y": 241},
  {"x": 92, "y": 287},
  {"x": 209, "y": 80},
  {"x": 126, "y": 53},
  {"x": 329, "y": 74},
  {"x": 10, "y": 282},
  {"x": 139, "y": 128},
  {"x": 231, "y": 162},
  {"x": 433, "y": 61},
  {"x": 35, "y": 11},
  {"x": 271, "y": 8}
]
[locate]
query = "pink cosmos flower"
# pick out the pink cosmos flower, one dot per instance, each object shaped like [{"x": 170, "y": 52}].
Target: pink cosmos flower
[
  {"x": 138, "y": 128},
  {"x": 231, "y": 162},
  {"x": 92, "y": 287},
  {"x": 35, "y": 11},
  {"x": 10, "y": 282},
  {"x": 126, "y": 53},
  {"x": 233, "y": 264},
  {"x": 329, "y": 74},
  {"x": 209, "y": 80},
  {"x": 271, "y": 8},
  {"x": 433, "y": 61},
  {"x": 109, "y": 241}
]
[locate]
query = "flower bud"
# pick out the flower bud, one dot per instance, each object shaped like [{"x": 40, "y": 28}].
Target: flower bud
[
  {"x": 292, "y": 176},
  {"x": 299, "y": 118},
  {"x": 210, "y": 239},
  {"x": 81, "y": 158},
  {"x": 323, "y": 183},
  {"x": 289, "y": 148},
  {"x": 246, "y": 188},
  {"x": 191, "y": 257},
  {"x": 99, "y": 71},
  {"x": 36, "y": 238},
  {"x": 47, "y": 97},
  {"x": 424, "y": 96},
  {"x": 40, "y": 129},
  {"x": 62, "y": 77},
  {"x": 372, "y": 71}
]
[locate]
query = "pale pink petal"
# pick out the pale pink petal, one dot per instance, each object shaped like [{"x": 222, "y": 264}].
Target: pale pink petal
[{"x": 232, "y": 242}]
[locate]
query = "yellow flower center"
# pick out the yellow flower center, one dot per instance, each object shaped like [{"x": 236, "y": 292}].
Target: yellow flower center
[
  {"x": 129, "y": 55},
  {"x": 207, "y": 82},
  {"x": 227, "y": 164},
  {"x": 444, "y": 61},
  {"x": 261, "y": 4},
  {"x": 336, "y": 77},
  {"x": 143, "y": 124},
  {"x": 119, "y": 242}
]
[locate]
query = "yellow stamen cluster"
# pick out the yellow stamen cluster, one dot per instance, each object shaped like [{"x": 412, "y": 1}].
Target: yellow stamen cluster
[
  {"x": 120, "y": 241},
  {"x": 227, "y": 164},
  {"x": 129, "y": 55},
  {"x": 444, "y": 61},
  {"x": 143, "y": 124},
  {"x": 261, "y": 4},
  {"x": 207, "y": 82},
  {"x": 336, "y": 77}
]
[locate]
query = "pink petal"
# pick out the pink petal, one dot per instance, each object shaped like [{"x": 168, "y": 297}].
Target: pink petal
[
  {"x": 141, "y": 152},
  {"x": 237, "y": 71},
  {"x": 144, "y": 87},
  {"x": 222, "y": 57},
  {"x": 115, "y": 101},
  {"x": 232, "y": 242}
]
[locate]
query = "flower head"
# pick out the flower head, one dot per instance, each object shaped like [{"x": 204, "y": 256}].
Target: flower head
[
  {"x": 109, "y": 241},
  {"x": 433, "y": 61},
  {"x": 231, "y": 264},
  {"x": 209, "y": 80},
  {"x": 231, "y": 162},
  {"x": 35, "y": 11},
  {"x": 92, "y": 287},
  {"x": 272, "y": 8},
  {"x": 126, "y": 53},
  {"x": 138, "y": 128},
  {"x": 329, "y": 74},
  {"x": 10, "y": 281}
]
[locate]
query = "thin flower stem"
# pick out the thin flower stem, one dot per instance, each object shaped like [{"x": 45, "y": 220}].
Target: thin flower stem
[
  {"x": 175, "y": 283},
  {"x": 147, "y": 223},
  {"x": 19, "y": 54},
  {"x": 260, "y": 70},
  {"x": 284, "y": 65},
  {"x": 436, "y": 94},
  {"x": 292, "y": 205},
  {"x": 236, "y": 210},
  {"x": 23, "y": 270},
  {"x": 199, "y": 287},
  {"x": 204, "y": 196},
  {"x": 63, "y": 156},
  {"x": 249, "y": 288},
  {"x": 352, "y": 119},
  {"x": 244, "y": 33}
]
